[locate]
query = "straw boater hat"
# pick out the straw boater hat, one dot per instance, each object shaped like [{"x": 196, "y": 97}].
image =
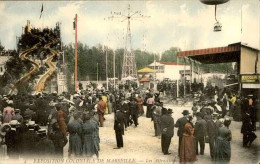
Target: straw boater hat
[
  {"x": 17, "y": 110},
  {"x": 14, "y": 122},
  {"x": 42, "y": 131},
  {"x": 215, "y": 114},
  {"x": 10, "y": 102},
  {"x": 31, "y": 124}
]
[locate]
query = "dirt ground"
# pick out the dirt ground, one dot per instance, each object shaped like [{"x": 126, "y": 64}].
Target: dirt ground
[{"x": 141, "y": 147}]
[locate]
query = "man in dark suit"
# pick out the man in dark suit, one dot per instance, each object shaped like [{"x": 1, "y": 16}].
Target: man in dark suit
[
  {"x": 180, "y": 124},
  {"x": 126, "y": 110},
  {"x": 119, "y": 128},
  {"x": 212, "y": 129},
  {"x": 167, "y": 125},
  {"x": 29, "y": 141},
  {"x": 200, "y": 133},
  {"x": 134, "y": 110},
  {"x": 45, "y": 147}
]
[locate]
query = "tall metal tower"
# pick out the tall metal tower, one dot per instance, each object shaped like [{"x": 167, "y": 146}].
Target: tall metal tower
[{"x": 129, "y": 64}]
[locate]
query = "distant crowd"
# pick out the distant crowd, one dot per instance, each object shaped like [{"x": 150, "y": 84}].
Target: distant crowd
[{"x": 43, "y": 124}]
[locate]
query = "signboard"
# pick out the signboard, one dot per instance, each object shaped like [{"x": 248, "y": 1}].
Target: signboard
[
  {"x": 250, "y": 78},
  {"x": 251, "y": 86}
]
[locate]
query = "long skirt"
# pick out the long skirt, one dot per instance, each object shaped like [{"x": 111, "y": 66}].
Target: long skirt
[
  {"x": 109, "y": 107},
  {"x": 187, "y": 149},
  {"x": 63, "y": 127},
  {"x": 141, "y": 109},
  {"x": 222, "y": 151},
  {"x": 89, "y": 148},
  {"x": 75, "y": 145},
  {"x": 149, "y": 110},
  {"x": 3, "y": 152}
]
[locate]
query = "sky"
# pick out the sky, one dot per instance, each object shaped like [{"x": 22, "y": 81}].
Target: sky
[{"x": 187, "y": 24}]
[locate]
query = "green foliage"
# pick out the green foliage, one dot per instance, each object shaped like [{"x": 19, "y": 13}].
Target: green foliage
[
  {"x": 143, "y": 58},
  {"x": 1, "y": 47},
  {"x": 170, "y": 55},
  {"x": 89, "y": 57}
]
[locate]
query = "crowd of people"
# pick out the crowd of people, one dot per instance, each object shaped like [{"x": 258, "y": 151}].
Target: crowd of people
[{"x": 43, "y": 124}]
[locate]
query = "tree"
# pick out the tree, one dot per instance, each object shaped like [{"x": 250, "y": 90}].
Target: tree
[
  {"x": 170, "y": 55},
  {"x": 1, "y": 47},
  {"x": 143, "y": 58}
]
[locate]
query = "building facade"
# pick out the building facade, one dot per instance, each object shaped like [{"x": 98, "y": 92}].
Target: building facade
[
  {"x": 3, "y": 60},
  {"x": 171, "y": 70}
]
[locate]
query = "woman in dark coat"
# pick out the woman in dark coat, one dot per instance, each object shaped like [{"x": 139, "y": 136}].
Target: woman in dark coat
[
  {"x": 247, "y": 130},
  {"x": 59, "y": 140},
  {"x": 88, "y": 129},
  {"x": 222, "y": 150},
  {"x": 187, "y": 149},
  {"x": 75, "y": 134}
]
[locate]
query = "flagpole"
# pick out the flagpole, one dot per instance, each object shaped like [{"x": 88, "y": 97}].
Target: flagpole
[
  {"x": 114, "y": 68},
  {"x": 42, "y": 18},
  {"x": 106, "y": 68},
  {"x": 76, "y": 46}
]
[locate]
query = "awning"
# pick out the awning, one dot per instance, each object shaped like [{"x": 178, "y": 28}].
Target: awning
[
  {"x": 146, "y": 70},
  {"x": 145, "y": 79},
  {"x": 230, "y": 53}
]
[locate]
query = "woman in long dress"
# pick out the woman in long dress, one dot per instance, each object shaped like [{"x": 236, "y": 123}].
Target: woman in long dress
[
  {"x": 140, "y": 105},
  {"x": 88, "y": 130},
  {"x": 222, "y": 149},
  {"x": 61, "y": 117},
  {"x": 104, "y": 98},
  {"x": 109, "y": 104},
  {"x": 187, "y": 150}
]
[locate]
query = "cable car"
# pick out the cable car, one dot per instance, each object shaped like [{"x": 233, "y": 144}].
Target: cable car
[
  {"x": 213, "y": 2},
  {"x": 217, "y": 25}
]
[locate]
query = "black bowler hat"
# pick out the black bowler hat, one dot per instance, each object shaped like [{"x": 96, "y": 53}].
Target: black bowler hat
[
  {"x": 185, "y": 112},
  {"x": 170, "y": 111}
]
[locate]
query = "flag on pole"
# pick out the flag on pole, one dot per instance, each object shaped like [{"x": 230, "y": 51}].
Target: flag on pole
[{"x": 41, "y": 11}]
